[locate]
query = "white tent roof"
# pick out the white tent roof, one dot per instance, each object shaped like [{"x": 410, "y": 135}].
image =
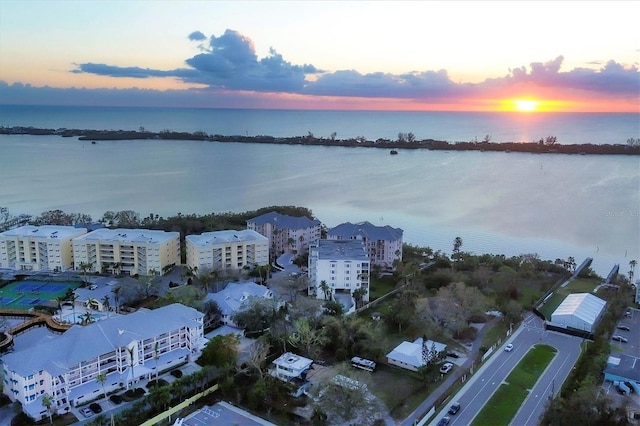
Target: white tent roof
[{"x": 584, "y": 306}]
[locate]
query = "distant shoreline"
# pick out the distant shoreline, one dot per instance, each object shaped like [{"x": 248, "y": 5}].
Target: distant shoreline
[{"x": 407, "y": 142}]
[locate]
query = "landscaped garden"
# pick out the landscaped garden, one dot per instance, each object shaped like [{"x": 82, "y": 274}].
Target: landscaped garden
[{"x": 506, "y": 401}]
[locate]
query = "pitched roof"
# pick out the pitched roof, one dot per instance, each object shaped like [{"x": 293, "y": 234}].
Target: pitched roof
[
  {"x": 366, "y": 230},
  {"x": 284, "y": 221},
  {"x": 411, "y": 352},
  {"x": 234, "y": 295},
  {"x": 80, "y": 343},
  {"x": 584, "y": 306}
]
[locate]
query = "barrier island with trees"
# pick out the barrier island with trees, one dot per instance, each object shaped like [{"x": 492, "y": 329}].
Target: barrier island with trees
[{"x": 545, "y": 145}]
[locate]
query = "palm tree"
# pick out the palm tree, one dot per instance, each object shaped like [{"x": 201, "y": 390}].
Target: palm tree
[
  {"x": 102, "y": 378},
  {"x": 156, "y": 356},
  {"x": 84, "y": 267},
  {"x": 106, "y": 303},
  {"x": 116, "y": 297},
  {"x": 326, "y": 289},
  {"x": 358, "y": 295},
  {"x": 130, "y": 350},
  {"x": 73, "y": 298},
  {"x": 47, "y": 401},
  {"x": 632, "y": 266},
  {"x": 457, "y": 244}
]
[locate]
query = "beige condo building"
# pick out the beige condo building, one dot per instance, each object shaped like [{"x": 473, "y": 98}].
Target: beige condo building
[
  {"x": 127, "y": 251},
  {"x": 38, "y": 248},
  {"x": 229, "y": 249}
]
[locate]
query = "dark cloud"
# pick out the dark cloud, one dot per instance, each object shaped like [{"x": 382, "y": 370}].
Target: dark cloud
[
  {"x": 612, "y": 78},
  {"x": 197, "y": 36},
  {"x": 230, "y": 63},
  {"x": 133, "y": 72}
]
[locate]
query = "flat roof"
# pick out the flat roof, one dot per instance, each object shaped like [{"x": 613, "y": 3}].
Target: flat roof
[
  {"x": 45, "y": 231},
  {"x": 153, "y": 236},
  {"x": 342, "y": 250},
  {"x": 228, "y": 236},
  {"x": 222, "y": 413}
]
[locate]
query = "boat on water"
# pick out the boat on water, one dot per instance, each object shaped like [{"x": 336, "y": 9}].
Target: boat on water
[{"x": 393, "y": 152}]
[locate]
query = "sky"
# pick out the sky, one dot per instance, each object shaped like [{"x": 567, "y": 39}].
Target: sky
[{"x": 417, "y": 55}]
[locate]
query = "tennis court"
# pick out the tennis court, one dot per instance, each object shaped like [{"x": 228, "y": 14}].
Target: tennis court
[{"x": 27, "y": 294}]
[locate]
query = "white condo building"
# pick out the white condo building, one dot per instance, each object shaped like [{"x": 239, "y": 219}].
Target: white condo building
[
  {"x": 124, "y": 348},
  {"x": 128, "y": 251},
  {"x": 383, "y": 243},
  {"x": 342, "y": 264},
  {"x": 36, "y": 248},
  {"x": 286, "y": 233},
  {"x": 229, "y": 249}
]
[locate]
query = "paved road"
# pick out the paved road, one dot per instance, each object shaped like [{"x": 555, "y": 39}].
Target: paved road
[
  {"x": 475, "y": 394},
  {"x": 451, "y": 379}
]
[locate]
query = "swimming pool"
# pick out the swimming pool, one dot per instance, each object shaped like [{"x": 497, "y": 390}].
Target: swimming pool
[{"x": 79, "y": 317}]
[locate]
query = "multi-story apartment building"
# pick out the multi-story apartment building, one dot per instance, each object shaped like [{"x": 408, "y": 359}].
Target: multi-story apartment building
[
  {"x": 128, "y": 251},
  {"x": 286, "y": 233},
  {"x": 383, "y": 243},
  {"x": 124, "y": 349},
  {"x": 338, "y": 266},
  {"x": 229, "y": 249},
  {"x": 36, "y": 248}
]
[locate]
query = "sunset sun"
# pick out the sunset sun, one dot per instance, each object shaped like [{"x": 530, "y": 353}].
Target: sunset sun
[{"x": 525, "y": 105}]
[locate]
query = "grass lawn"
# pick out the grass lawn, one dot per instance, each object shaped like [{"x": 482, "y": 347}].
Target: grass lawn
[
  {"x": 381, "y": 286},
  {"x": 498, "y": 331},
  {"x": 551, "y": 304},
  {"x": 581, "y": 285},
  {"x": 504, "y": 404}
]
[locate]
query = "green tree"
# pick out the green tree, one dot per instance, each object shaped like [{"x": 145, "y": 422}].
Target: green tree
[
  {"x": 156, "y": 357},
  {"x": 307, "y": 339},
  {"x": 102, "y": 379},
  {"x": 47, "y": 402},
  {"x": 106, "y": 303},
  {"x": 116, "y": 297},
  {"x": 131, "y": 364},
  {"x": 84, "y": 267},
  {"x": 212, "y": 314},
  {"x": 457, "y": 245},
  {"x": 326, "y": 290},
  {"x": 221, "y": 351},
  {"x": 358, "y": 296},
  {"x": 256, "y": 314}
]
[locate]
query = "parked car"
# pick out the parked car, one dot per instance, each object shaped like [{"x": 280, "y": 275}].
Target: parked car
[
  {"x": 86, "y": 411},
  {"x": 95, "y": 407},
  {"x": 620, "y": 338},
  {"x": 624, "y": 328},
  {"x": 509, "y": 347},
  {"x": 444, "y": 421},
  {"x": 454, "y": 408},
  {"x": 176, "y": 373},
  {"x": 453, "y": 354},
  {"x": 628, "y": 313},
  {"x": 446, "y": 367}
]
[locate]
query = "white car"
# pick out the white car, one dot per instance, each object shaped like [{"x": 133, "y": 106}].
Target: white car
[
  {"x": 446, "y": 367},
  {"x": 509, "y": 347}
]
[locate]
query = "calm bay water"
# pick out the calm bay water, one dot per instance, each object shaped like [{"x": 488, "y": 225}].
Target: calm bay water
[{"x": 511, "y": 203}]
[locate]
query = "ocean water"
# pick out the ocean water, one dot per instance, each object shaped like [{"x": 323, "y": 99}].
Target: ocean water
[
  {"x": 569, "y": 128},
  {"x": 510, "y": 203}
]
